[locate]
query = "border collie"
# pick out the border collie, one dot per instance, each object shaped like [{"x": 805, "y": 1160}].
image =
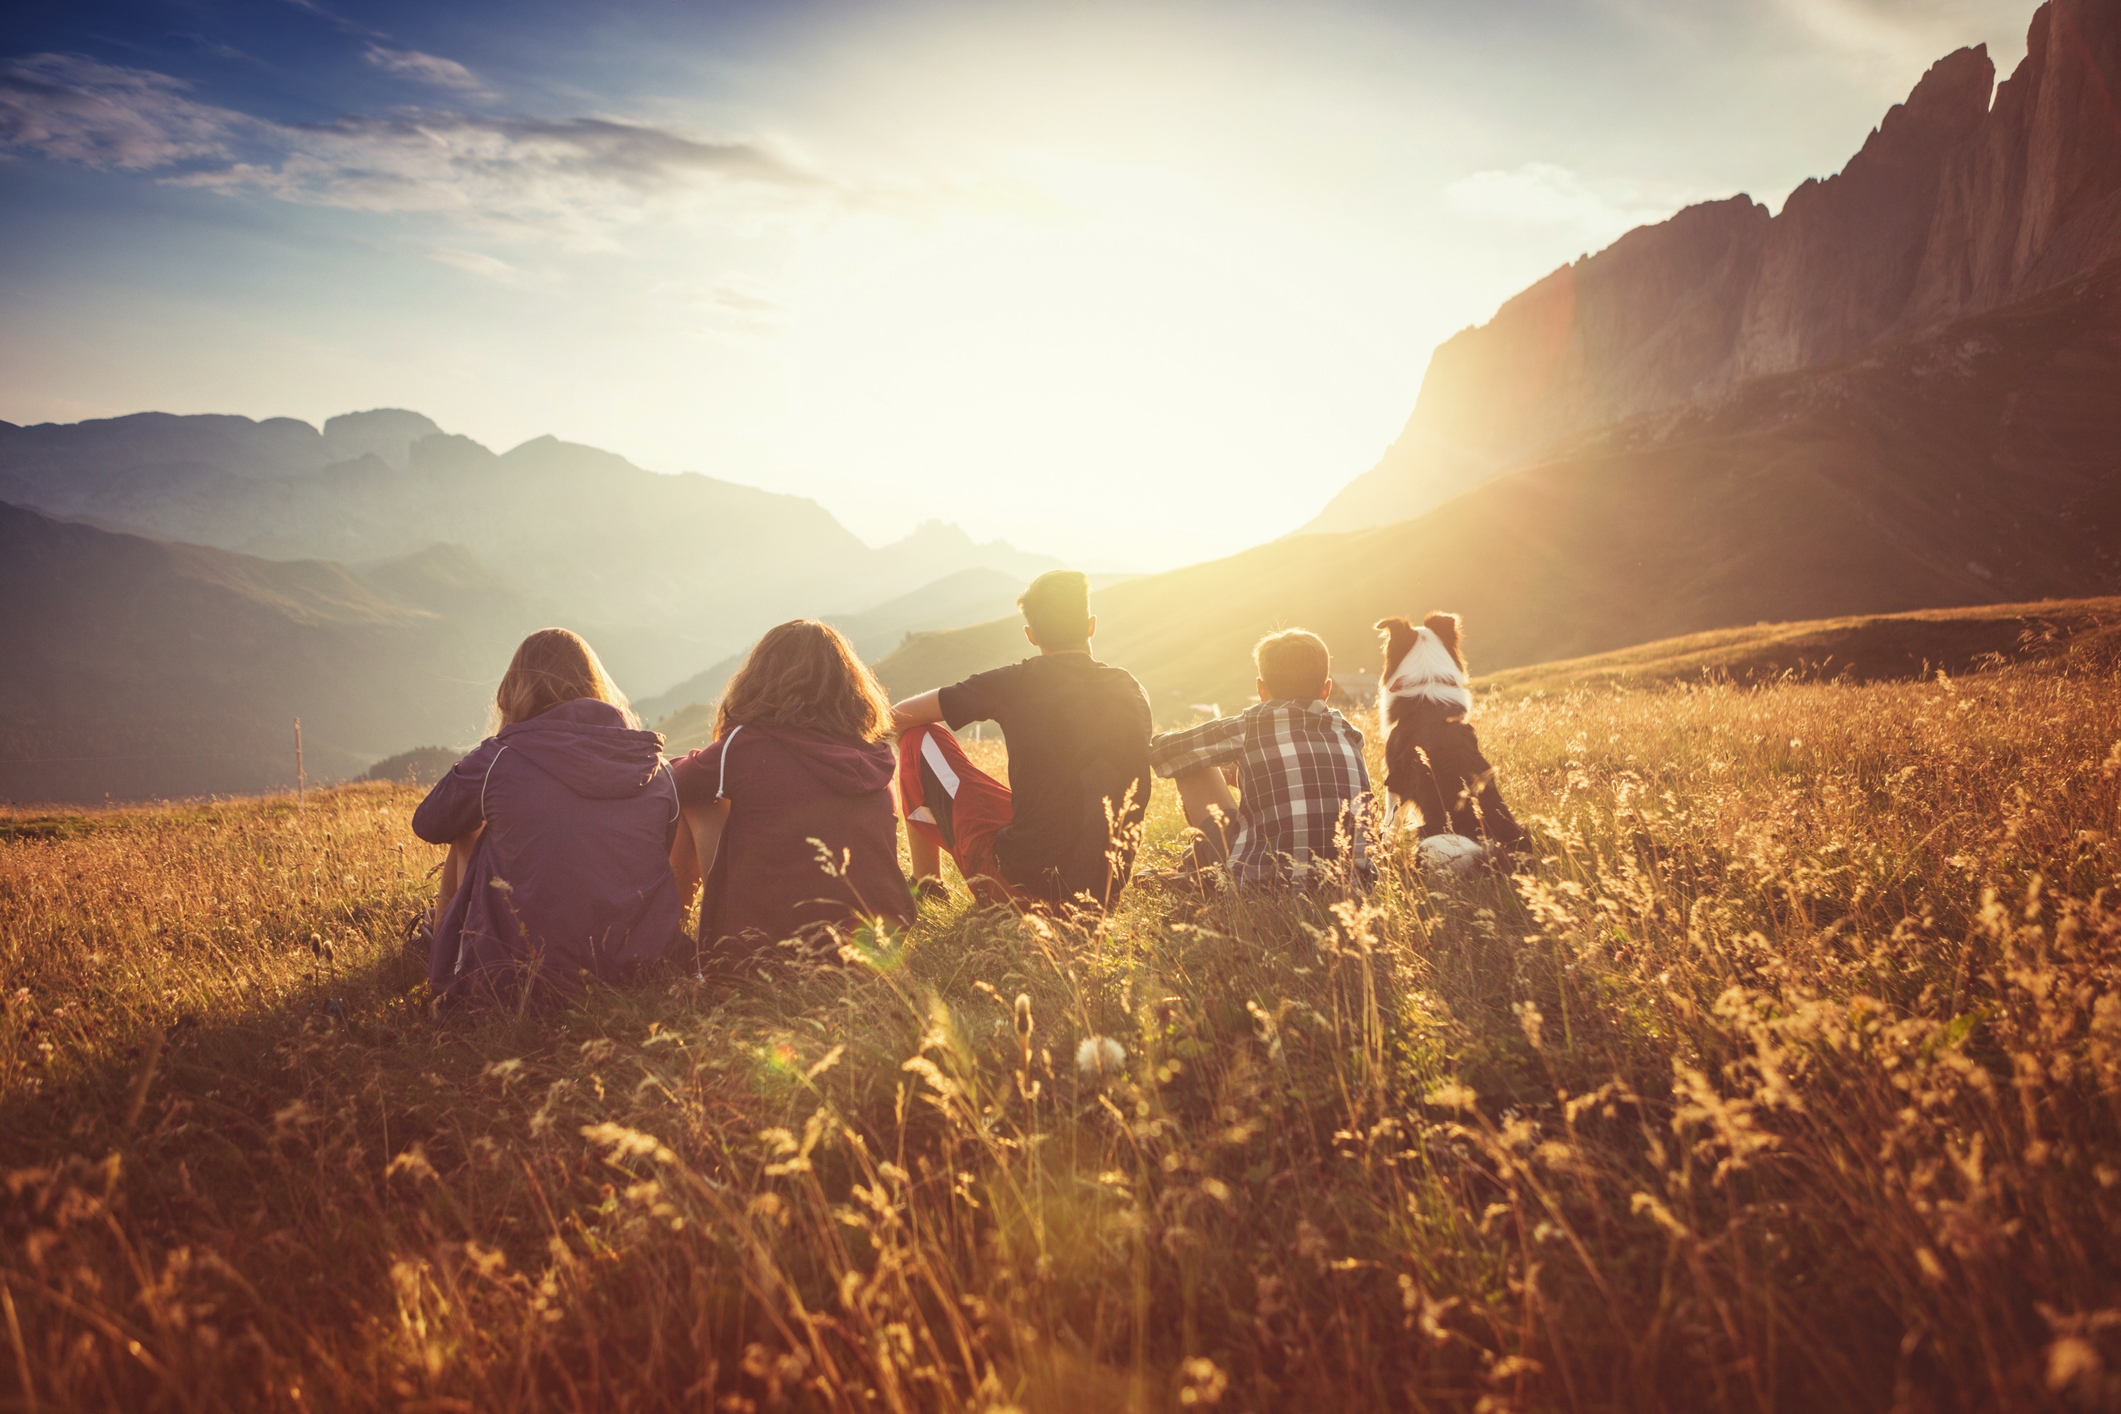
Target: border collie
[{"x": 1432, "y": 757}]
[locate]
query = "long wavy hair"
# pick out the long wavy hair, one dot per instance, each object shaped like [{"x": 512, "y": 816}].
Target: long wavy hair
[
  {"x": 805, "y": 674},
  {"x": 552, "y": 666}
]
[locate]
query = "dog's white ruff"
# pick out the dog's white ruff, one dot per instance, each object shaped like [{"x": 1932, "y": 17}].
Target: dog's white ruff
[{"x": 1428, "y": 670}]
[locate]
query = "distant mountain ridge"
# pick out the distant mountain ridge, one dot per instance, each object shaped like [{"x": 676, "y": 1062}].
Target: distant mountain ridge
[
  {"x": 665, "y": 572},
  {"x": 138, "y": 667},
  {"x": 1952, "y": 207}
]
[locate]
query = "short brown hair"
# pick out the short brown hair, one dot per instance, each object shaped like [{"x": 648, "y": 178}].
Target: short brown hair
[
  {"x": 1057, "y": 606},
  {"x": 1293, "y": 665},
  {"x": 552, "y": 666},
  {"x": 805, "y": 674}
]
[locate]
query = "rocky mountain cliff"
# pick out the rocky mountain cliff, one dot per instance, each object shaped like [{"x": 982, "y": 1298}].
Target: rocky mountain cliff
[{"x": 1953, "y": 206}]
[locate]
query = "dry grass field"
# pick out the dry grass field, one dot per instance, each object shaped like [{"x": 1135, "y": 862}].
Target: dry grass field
[{"x": 1790, "y": 1078}]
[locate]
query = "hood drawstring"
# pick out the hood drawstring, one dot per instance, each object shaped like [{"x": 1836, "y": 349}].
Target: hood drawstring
[{"x": 721, "y": 778}]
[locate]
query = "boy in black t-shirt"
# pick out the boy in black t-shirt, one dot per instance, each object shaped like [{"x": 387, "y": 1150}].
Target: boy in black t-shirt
[{"x": 1065, "y": 827}]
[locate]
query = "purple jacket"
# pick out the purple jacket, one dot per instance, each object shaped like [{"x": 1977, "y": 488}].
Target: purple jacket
[{"x": 573, "y": 872}]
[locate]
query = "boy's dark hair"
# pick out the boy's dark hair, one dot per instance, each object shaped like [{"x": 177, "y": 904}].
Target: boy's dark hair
[
  {"x": 1293, "y": 665},
  {"x": 1057, "y": 606}
]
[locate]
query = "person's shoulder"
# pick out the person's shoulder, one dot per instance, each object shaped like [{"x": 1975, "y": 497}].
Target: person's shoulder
[
  {"x": 699, "y": 756},
  {"x": 1003, "y": 676},
  {"x": 1342, "y": 725},
  {"x": 1117, "y": 679},
  {"x": 476, "y": 760},
  {"x": 700, "y": 764}
]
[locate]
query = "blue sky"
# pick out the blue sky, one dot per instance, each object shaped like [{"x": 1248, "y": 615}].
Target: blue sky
[{"x": 1133, "y": 283}]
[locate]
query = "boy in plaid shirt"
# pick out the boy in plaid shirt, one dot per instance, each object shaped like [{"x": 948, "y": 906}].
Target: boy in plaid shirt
[{"x": 1300, "y": 771}]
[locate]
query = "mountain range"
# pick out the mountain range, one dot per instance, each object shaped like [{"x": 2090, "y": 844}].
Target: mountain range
[
  {"x": 1902, "y": 392},
  {"x": 138, "y": 667},
  {"x": 664, "y": 573},
  {"x": 175, "y": 590}
]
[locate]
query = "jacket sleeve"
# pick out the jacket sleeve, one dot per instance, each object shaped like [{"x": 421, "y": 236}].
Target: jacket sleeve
[
  {"x": 457, "y": 804},
  {"x": 979, "y": 697},
  {"x": 699, "y": 776},
  {"x": 1213, "y": 743}
]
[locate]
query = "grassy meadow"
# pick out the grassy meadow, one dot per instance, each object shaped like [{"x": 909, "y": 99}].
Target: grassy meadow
[{"x": 1790, "y": 1077}]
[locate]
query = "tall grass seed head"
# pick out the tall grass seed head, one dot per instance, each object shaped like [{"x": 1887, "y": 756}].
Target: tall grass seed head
[{"x": 1100, "y": 1058}]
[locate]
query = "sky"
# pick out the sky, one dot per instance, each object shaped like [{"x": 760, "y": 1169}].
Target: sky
[{"x": 1136, "y": 284}]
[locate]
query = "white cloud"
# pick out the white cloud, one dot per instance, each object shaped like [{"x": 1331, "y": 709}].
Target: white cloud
[
  {"x": 575, "y": 180},
  {"x": 1541, "y": 194},
  {"x": 735, "y": 304},
  {"x": 425, "y": 68},
  {"x": 78, "y": 110},
  {"x": 477, "y": 263},
  {"x": 572, "y": 179}
]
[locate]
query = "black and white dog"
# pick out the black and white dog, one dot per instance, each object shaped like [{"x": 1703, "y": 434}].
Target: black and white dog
[{"x": 1432, "y": 757}]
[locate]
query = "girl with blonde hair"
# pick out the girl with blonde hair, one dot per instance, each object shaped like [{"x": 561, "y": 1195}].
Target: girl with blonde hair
[
  {"x": 559, "y": 826},
  {"x": 789, "y": 813}
]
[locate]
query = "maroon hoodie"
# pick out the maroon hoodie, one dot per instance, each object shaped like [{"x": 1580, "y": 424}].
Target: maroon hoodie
[{"x": 790, "y": 790}]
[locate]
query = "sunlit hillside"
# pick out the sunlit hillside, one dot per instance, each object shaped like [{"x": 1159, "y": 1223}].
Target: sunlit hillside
[
  {"x": 1787, "y": 1078},
  {"x": 1969, "y": 465}
]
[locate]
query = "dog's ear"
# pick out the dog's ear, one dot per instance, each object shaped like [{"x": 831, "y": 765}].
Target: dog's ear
[
  {"x": 1448, "y": 629},
  {"x": 1398, "y": 636}
]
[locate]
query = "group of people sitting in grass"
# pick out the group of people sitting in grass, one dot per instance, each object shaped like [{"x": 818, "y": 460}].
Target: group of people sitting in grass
[{"x": 575, "y": 846}]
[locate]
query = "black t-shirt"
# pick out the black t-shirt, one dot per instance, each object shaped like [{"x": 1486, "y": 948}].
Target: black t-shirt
[{"x": 1078, "y": 735}]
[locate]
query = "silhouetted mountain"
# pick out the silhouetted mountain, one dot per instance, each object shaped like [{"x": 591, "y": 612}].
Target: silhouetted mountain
[
  {"x": 1952, "y": 207},
  {"x": 662, "y": 573},
  {"x": 141, "y": 668},
  {"x": 1972, "y": 464}
]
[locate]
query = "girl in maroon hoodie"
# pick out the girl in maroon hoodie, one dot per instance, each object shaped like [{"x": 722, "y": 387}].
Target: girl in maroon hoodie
[
  {"x": 559, "y": 827},
  {"x": 791, "y": 807}
]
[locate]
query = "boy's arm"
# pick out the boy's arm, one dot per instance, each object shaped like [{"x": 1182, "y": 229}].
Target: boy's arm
[
  {"x": 981, "y": 697},
  {"x": 917, "y": 711},
  {"x": 1213, "y": 743}
]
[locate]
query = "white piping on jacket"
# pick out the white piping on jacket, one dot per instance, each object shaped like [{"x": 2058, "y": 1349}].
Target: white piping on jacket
[
  {"x": 721, "y": 774},
  {"x": 487, "y": 777}
]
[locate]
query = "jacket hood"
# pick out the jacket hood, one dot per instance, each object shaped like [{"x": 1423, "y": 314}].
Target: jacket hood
[
  {"x": 586, "y": 746},
  {"x": 842, "y": 766}
]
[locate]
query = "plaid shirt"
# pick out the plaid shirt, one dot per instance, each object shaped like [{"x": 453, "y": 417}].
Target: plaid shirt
[{"x": 1301, "y": 778}]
